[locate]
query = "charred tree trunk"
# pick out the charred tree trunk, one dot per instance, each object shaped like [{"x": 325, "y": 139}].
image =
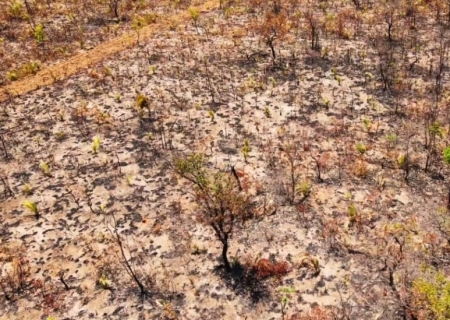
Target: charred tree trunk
[{"x": 226, "y": 263}]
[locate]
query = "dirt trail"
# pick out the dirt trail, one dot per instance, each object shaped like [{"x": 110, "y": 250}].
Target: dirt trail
[{"x": 105, "y": 50}]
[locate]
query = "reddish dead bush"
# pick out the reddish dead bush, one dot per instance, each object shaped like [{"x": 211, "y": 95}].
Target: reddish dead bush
[
  {"x": 266, "y": 269},
  {"x": 316, "y": 313},
  {"x": 240, "y": 173}
]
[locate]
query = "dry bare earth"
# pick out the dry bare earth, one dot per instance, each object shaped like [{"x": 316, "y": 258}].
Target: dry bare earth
[
  {"x": 60, "y": 70},
  {"x": 68, "y": 28},
  {"x": 180, "y": 71}
]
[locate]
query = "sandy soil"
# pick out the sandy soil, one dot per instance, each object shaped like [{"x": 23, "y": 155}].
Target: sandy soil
[{"x": 352, "y": 222}]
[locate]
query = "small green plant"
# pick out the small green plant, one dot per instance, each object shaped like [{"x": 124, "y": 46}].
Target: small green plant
[
  {"x": 304, "y": 187},
  {"x": 361, "y": 148},
  {"x": 102, "y": 208},
  {"x": 196, "y": 250},
  {"x": 352, "y": 211},
  {"x": 436, "y": 129},
  {"x": 353, "y": 214},
  {"x": 141, "y": 102},
  {"x": 194, "y": 14},
  {"x": 50, "y": 318},
  {"x": 198, "y": 106},
  {"x": 118, "y": 98},
  {"x": 368, "y": 76},
  {"x": 325, "y": 52},
  {"x": 273, "y": 81},
  {"x": 27, "y": 189},
  {"x": 12, "y": 76},
  {"x": 402, "y": 160},
  {"x": 267, "y": 112},
  {"x": 32, "y": 206},
  {"x": 330, "y": 17},
  {"x": 152, "y": 69},
  {"x": 61, "y": 115},
  {"x": 130, "y": 179},
  {"x": 39, "y": 34},
  {"x": 391, "y": 138},
  {"x": 371, "y": 101},
  {"x": 60, "y": 136},
  {"x": 211, "y": 115},
  {"x": 446, "y": 155},
  {"x": 104, "y": 282},
  {"x": 195, "y": 17},
  {"x": 367, "y": 124},
  {"x": 24, "y": 70},
  {"x": 334, "y": 72},
  {"x": 104, "y": 116},
  {"x": 31, "y": 67},
  {"x": 246, "y": 150},
  {"x": 336, "y": 76},
  {"x": 398, "y": 80},
  {"x": 96, "y": 144},
  {"x": 286, "y": 293},
  {"x": 138, "y": 24},
  {"x": 45, "y": 168},
  {"x": 15, "y": 10},
  {"x": 150, "y": 18},
  {"x": 107, "y": 71}
]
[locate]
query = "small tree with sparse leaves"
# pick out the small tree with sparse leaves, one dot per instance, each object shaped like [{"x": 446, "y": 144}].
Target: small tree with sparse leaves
[
  {"x": 222, "y": 205},
  {"x": 273, "y": 28}
]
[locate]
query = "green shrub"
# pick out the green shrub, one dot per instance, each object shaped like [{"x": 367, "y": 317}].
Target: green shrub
[
  {"x": 352, "y": 211},
  {"x": 32, "y": 206},
  {"x": 436, "y": 130},
  {"x": 432, "y": 295},
  {"x": 367, "y": 124},
  {"x": 391, "y": 138},
  {"x": 96, "y": 144},
  {"x": 246, "y": 150},
  {"x": 361, "y": 148},
  {"x": 45, "y": 168},
  {"x": 39, "y": 34},
  {"x": 16, "y": 11},
  {"x": 141, "y": 103},
  {"x": 446, "y": 155},
  {"x": 304, "y": 187},
  {"x": 24, "y": 70},
  {"x": 211, "y": 115},
  {"x": 12, "y": 76},
  {"x": 195, "y": 14}
]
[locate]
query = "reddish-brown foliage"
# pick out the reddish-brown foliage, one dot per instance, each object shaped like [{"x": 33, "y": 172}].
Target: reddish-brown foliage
[
  {"x": 266, "y": 269},
  {"x": 273, "y": 28},
  {"x": 317, "y": 313}
]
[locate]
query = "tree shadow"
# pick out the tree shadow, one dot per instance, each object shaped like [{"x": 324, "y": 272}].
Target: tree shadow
[{"x": 243, "y": 281}]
